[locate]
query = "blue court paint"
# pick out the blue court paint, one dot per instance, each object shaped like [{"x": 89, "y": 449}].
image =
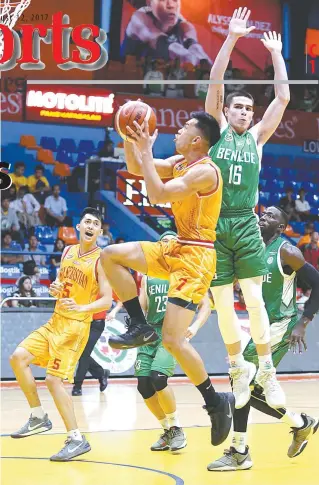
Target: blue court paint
[{"x": 178, "y": 480}]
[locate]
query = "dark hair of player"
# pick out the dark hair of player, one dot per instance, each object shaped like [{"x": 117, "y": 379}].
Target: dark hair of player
[
  {"x": 284, "y": 216},
  {"x": 93, "y": 212},
  {"x": 208, "y": 126},
  {"x": 238, "y": 93}
]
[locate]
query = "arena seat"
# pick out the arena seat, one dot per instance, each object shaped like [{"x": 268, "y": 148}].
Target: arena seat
[
  {"x": 67, "y": 144},
  {"x": 86, "y": 146},
  {"x": 64, "y": 156},
  {"x": 45, "y": 156},
  {"x": 284, "y": 162},
  {"x": 44, "y": 234},
  {"x": 28, "y": 141},
  {"x": 61, "y": 170},
  {"x": 290, "y": 232},
  {"x": 68, "y": 235},
  {"x": 81, "y": 159},
  {"x": 49, "y": 143}
]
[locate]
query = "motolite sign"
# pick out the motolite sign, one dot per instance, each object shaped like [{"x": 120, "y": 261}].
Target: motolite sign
[
  {"x": 71, "y": 105},
  {"x": 131, "y": 191}
]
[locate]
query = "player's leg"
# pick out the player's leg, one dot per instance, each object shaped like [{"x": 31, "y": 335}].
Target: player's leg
[
  {"x": 241, "y": 372},
  {"x": 218, "y": 405},
  {"x": 145, "y": 387},
  {"x": 115, "y": 260},
  {"x": 237, "y": 457},
  {"x": 163, "y": 366},
  {"x": 34, "y": 349}
]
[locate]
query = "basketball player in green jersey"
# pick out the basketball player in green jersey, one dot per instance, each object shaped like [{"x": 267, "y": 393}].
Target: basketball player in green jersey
[
  {"x": 239, "y": 246},
  {"x": 284, "y": 264},
  {"x": 154, "y": 364}
]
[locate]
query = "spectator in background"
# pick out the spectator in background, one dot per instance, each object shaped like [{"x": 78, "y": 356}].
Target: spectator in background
[
  {"x": 201, "y": 89},
  {"x": 306, "y": 238},
  {"x": 267, "y": 93},
  {"x": 55, "y": 260},
  {"x": 39, "y": 259},
  {"x": 106, "y": 238},
  {"x": 9, "y": 220},
  {"x": 154, "y": 75},
  {"x": 56, "y": 209},
  {"x": 7, "y": 244},
  {"x": 310, "y": 101},
  {"x": 288, "y": 205},
  {"x": 38, "y": 184},
  {"x": 12, "y": 192},
  {"x": 27, "y": 208},
  {"x": 25, "y": 290},
  {"x": 302, "y": 206},
  {"x": 17, "y": 177},
  {"x": 175, "y": 73},
  {"x": 311, "y": 250},
  {"x": 119, "y": 240},
  {"x": 32, "y": 270}
]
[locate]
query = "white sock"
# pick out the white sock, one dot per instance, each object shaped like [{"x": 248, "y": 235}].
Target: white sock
[
  {"x": 294, "y": 420},
  {"x": 75, "y": 434},
  {"x": 38, "y": 412},
  {"x": 173, "y": 419},
  {"x": 236, "y": 360},
  {"x": 239, "y": 441},
  {"x": 164, "y": 423},
  {"x": 265, "y": 362}
]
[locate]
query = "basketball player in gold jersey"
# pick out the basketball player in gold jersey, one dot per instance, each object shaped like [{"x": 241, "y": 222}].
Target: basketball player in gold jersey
[
  {"x": 195, "y": 193},
  {"x": 59, "y": 343}
]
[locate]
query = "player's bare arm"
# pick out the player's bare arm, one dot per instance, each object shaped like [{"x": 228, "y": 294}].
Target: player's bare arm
[
  {"x": 274, "y": 113},
  {"x": 292, "y": 257},
  {"x": 204, "y": 311},
  {"x": 143, "y": 295},
  {"x": 133, "y": 159},
  {"x": 198, "y": 179},
  {"x": 103, "y": 303},
  {"x": 215, "y": 95}
]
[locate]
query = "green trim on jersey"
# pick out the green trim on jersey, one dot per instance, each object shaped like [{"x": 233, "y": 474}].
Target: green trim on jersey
[
  {"x": 238, "y": 160},
  {"x": 156, "y": 290},
  {"x": 279, "y": 289}
]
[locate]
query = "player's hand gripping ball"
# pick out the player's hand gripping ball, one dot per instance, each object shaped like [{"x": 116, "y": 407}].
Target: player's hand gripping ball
[{"x": 134, "y": 111}]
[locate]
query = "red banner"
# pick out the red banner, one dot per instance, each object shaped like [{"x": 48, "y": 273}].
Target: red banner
[
  {"x": 70, "y": 105},
  {"x": 295, "y": 128},
  {"x": 133, "y": 190},
  {"x": 12, "y": 94},
  {"x": 186, "y": 22}
]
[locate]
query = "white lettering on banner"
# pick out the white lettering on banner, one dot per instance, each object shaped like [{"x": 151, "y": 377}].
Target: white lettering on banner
[
  {"x": 71, "y": 102},
  {"x": 311, "y": 146},
  {"x": 11, "y": 103},
  {"x": 130, "y": 191},
  {"x": 224, "y": 20}
]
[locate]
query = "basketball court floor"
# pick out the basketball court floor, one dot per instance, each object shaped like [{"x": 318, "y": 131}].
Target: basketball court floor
[{"x": 121, "y": 430}]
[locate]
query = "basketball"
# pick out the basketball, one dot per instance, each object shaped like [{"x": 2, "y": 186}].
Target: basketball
[{"x": 134, "y": 111}]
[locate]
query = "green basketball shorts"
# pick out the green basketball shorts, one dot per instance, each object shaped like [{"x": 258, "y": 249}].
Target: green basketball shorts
[
  {"x": 239, "y": 248},
  {"x": 279, "y": 333},
  {"x": 154, "y": 357}
]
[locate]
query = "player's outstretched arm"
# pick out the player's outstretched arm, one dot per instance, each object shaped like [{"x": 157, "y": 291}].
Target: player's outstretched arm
[
  {"x": 215, "y": 95},
  {"x": 292, "y": 257},
  {"x": 274, "y": 113},
  {"x": 133, "y": 159},
  {"x": 204, "y": 311}
]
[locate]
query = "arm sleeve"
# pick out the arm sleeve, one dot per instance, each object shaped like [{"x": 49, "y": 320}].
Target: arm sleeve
[{"x": 310, "y": 275}]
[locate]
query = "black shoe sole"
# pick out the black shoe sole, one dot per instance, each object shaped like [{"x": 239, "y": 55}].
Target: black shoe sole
[
  {"x": 115, "y": 343},
  {"x": 218, "y": 439}
]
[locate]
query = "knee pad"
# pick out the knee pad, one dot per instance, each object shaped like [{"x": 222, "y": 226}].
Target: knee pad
[
  {"x": 159, "y": 380},
  {"x": 145, "y": 387}
]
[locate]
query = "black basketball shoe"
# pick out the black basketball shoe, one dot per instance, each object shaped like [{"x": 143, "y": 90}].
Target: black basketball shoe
[
  {"x": 221, "y": 417},
  {"x": 138, "y": 334}
]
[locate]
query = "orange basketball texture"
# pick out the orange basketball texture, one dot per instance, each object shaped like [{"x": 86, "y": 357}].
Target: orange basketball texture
[{"x": 134, "y": 111}]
